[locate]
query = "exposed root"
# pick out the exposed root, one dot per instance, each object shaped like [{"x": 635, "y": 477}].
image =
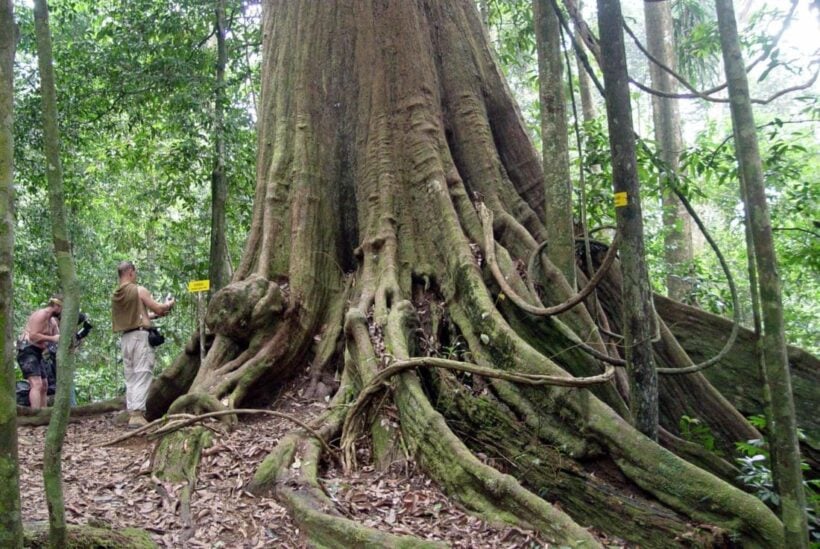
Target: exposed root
[
  {"x": 587, "y": 487},
  {"x": 41, "y": 416},
  {"x": 82, "y": 536},
  {"x": 482, "y": 489},
  {"x": 374, "y": 386},
  {"x": 489, "y": 250},
  {"x": 176, "y": 459}
]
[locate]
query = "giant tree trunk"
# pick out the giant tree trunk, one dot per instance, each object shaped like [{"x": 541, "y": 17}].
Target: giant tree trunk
[
  {"x": 52, "y": 452},
  {"x": 385, "y": 128},
  {"x": 11, "y": 528}
]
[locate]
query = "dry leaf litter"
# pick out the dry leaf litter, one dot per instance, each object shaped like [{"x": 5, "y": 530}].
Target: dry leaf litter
[{"x": 114, "y": 486}]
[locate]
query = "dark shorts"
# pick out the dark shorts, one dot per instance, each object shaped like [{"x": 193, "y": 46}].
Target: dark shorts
[{"x": 31, "y": 362}]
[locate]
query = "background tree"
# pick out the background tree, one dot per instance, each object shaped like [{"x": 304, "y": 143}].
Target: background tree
[
  {"x": 52, "y": 453},
  {"x": 554, "y": 139},
  {"x": 11, "y": 529},
  {"x": 219, "y": 266},
  {"x": 784, "y": 444},
  {"x": 669, "y": 142}
]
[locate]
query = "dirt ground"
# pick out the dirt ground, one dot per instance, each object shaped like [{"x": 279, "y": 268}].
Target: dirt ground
[{"x": 114, "y": 486}]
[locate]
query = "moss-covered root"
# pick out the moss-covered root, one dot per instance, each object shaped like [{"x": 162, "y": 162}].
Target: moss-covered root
[
  {"x": 685, "y": 487},
  {"x": 588, "y": 489},
  {"x": 297, "y": 488},
  {"x": 90, "y": 537},
  {"x": 176, "y": 459},
  {"x": 484, "y": 490},
  {"x": 295, "y": 461}
]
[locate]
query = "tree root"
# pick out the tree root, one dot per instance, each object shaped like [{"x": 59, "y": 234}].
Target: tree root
[
  {"x": 374, "y": 386},
  {"x": 701, "y": 334},
  {"x": 290, "y": 471},
  {"x": 494, "y": 496},
  {"x": 589, "y": 489},
  {"x": 673, "y": 481},
  {"x": 86, "y": 537},
  {"x": 41, "y": 416},
  {"x": 176, "y": 459}
]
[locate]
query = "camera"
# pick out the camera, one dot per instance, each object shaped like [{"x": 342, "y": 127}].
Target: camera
[{"x": 85, "y": 326}]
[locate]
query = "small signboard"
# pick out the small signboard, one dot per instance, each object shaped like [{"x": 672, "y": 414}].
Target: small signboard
[{"x": 199, "y": 285}]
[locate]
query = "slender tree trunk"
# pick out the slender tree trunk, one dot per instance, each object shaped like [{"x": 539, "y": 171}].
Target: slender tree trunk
[
  {"x": 555, "y": 140},
  {"x": 783, "y": 437},
  {"x": 219, "y": 270},
  {"x": 11, "y": 529},
  {"x": 484, "y": 10},
  {"x": 637, "y": 295},
  {"x": 584, "y": 84},
  {"x": 52, "y": 453},
  {"x": 666, "y": 115}
]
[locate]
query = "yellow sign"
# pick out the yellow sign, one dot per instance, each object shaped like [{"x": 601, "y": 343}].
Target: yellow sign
[
  {"x": 199, "y": 285},
  {"x": 620, "y": 200}
]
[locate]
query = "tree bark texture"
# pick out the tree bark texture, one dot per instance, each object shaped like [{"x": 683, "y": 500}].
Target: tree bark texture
[
  {"x": 737, "y": 376},
  {"x": 385, "y": 130},
  {"x": 786, "y": 452},
  {"x": 637, "y": 295},
  {"x": 52, "y": 452},
  {"x": 554, "y": 140},
  {"x": 677, "y": 240},
  {"x": 11, "y": 529},
  {"x": 219, "y": 266},
  {"x": 584, "y": 84}
]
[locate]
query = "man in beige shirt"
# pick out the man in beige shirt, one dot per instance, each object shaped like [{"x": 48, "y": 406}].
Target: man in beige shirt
[
  {"x": 42, "y": 328},
  {"x": 132, "y": 308}
]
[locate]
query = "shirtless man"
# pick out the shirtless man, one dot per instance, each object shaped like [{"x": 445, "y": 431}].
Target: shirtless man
[
  {"x": 42, "y": 328},
  {"x": 132, "y": 310}
]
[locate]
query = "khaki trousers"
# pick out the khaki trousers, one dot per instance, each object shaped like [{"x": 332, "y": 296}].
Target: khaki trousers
[{"x": 138, "y": 359}]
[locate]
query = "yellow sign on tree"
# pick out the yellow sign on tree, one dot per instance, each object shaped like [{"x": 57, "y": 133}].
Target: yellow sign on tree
[{"x": 199, "y": 285}]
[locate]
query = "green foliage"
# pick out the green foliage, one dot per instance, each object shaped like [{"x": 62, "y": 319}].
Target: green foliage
[
  {"x": 694, "y": 430},
  {"x": 135, "y": 90},
  {"x": 756, "y": 474}
]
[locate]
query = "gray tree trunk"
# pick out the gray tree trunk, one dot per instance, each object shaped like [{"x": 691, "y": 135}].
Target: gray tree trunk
[
  {"x": 11, "y": 529},
  {"x": 584, "y": 84},
  {"x": 484, "y": 10},
  {"x": 783, "y": 434},
  {"x": 555, "y": 140},
  {"x": 637, "y": 295},
  {"x": 660, "y": 41},
  {"x": 219, "y": 269},
  {"x": 52, "y": 453}
]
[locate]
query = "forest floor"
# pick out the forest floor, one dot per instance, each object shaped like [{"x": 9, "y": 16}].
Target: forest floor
[{"x": 114, "y": 486}]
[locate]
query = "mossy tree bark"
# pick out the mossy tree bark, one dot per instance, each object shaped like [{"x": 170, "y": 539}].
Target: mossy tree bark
[
  {"x": 52, "y": 453},
  {"x": 783, "y": 441},
  {"x": 554, "y": 139},
  {"x": 385, "y": 128},
  {"x": 11, "y": 529},
  {"x": 639, "y": 317},
  {"x": 219, "y": 265}
]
